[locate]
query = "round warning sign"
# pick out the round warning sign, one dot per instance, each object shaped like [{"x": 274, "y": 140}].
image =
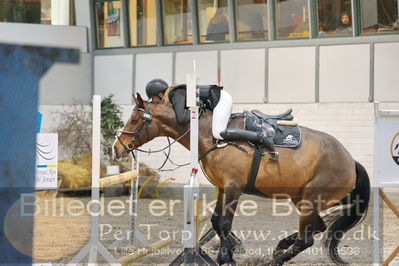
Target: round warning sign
[{"x": 395, "y": 148}]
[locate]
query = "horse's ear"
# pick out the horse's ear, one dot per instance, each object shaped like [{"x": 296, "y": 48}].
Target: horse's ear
[{"x": 138, "y": 100}]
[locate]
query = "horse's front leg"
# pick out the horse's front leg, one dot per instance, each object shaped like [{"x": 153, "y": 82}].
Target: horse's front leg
[
  {"x": 229, "y": 203},
  {"x": 216, "y": 216},
  {"x": 215, "y": 221}
]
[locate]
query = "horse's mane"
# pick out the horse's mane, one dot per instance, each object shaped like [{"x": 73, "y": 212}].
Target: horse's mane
[{"x": 165, "y": 98}]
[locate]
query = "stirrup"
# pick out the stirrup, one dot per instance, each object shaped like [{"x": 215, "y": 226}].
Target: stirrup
[
  {"x": 273, "y": 155},
  {"x": 221, "y": 143}
]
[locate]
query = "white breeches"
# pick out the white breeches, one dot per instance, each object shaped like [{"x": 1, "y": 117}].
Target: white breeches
[{"x": 221, "y": 114}]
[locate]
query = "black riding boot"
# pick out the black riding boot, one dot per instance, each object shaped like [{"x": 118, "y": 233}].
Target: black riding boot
[
  {"x": 267, "y": 141},
  {"x": 255, "y": 137}
]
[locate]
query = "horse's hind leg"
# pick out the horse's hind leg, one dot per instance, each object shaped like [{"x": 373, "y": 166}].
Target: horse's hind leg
[
  {"x": 310, "y": 223},
  {"x": 284, "y": 244},
  {"x": 229, "y": 203},
  {"x": 290, "y": 240},
  {"x": 304, "y": 240}
]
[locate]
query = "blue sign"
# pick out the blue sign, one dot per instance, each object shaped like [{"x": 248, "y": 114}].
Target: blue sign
[
  {"x": 21, "y": 69},
  {"x": 39, "y": 121}
]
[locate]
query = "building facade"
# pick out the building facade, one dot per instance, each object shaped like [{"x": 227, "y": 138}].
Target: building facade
[{"x": 329, "y": 60}]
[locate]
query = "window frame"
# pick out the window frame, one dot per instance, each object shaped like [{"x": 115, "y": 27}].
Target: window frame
[
  {"x": 235, "y": 25},
  {"x": 161, "y": 5},
  {"x": 276, "y": 37},
  {"x": 272, "y": 31},
  {"x": 316, "y": 23},
  {"x": 128, "y": 27},
  {"x": 197, "y": 9},
  {"x": 360, "y": 23},
  {"x": 123, "y": 29}
]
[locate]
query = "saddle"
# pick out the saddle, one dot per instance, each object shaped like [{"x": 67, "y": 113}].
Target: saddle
[
  {"x": 283, "y": 116},
  {"x": 284, "y": 135},
  {"x": 288, "y": 136}
]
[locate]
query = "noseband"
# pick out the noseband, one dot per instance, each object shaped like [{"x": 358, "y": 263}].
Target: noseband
[
  {"x": 147, "y": 118},
  {"x": 129, "y": 148}
]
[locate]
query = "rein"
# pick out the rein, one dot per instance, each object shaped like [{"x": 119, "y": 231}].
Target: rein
[
  {"x": 167, "y": 155},
  {"x": 147, "y": 118}
]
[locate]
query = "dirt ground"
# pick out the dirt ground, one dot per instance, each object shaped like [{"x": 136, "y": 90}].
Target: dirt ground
[{"x": 59, "y": 237}]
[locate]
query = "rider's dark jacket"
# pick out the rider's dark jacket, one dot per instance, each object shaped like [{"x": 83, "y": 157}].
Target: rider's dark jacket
[{"x": 209, "y": 98}]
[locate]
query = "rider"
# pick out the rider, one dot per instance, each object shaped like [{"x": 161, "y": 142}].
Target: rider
[{"x": 217, "y": 100}]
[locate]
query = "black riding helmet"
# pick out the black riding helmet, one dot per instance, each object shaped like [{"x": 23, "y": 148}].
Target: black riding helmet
[{"x": 155, "y": 86}]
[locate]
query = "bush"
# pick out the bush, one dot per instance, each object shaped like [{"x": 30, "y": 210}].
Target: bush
[
  {"x": 111, "y": 121},
  {"x": 72, "y": 175},
  {"x": 74, "y": 131}
]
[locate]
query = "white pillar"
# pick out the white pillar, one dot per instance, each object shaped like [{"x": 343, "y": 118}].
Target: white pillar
[
  {"x": 60, "y": 12},
  {"x": 83, "y": 18}
]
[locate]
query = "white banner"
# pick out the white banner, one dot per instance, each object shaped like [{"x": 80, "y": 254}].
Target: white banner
[
  {"x": 387, "y": 149},
  {"x": 46, "y": 161}
]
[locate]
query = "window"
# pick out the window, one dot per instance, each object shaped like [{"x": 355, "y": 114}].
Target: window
[
  {"x": 142, "y": 22},
  {"x": 61, "y": 12},
  {"x": 334, "y": 17},
  {"x": 251, "y": 21},
  {"x": 45, "y": 17},
  {"x": 292, "y": 19},
  {"x": 379, "y": 16},
  {"x": 213, "y": 20},
  {"x": 177, "y": 21},
  {"x": 109, "y": 23}
]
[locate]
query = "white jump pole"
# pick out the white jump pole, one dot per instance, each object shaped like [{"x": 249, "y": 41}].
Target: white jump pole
[
  {"x": 133, "y": 200},
  {"x": 192, "y": 253},
  {"x": 132, "y": 236},
  {"x": 94, "y": 246},
  {"x": 191, "y": 191},
  {"x": 376, "y": 196}
]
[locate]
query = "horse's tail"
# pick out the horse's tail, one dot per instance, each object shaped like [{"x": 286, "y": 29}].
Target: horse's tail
[{"x": 359, "y": 198}]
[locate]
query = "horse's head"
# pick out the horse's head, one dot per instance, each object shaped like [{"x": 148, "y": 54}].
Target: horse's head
[{"x": 147, "y": 121}]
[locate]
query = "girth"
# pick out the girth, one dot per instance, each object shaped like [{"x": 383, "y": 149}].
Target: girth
[{"x": 253, "y": 173}]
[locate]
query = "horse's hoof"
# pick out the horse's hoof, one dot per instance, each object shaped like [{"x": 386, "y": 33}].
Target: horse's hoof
[
  {"x": 224, "y": 259},
  {"x": 277, "y": 253},
  {"x": 219, "y": 260},
  {"x": 239, "y": 250},
  {"x": 231, "y": 263},
  {"x": 271, "y": 263}
]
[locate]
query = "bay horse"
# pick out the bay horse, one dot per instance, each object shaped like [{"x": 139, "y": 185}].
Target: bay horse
[{"x": 318, "y": 174}]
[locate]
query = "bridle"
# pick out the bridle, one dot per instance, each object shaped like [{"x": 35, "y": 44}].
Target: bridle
[{"x": 146, "y": 117}]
